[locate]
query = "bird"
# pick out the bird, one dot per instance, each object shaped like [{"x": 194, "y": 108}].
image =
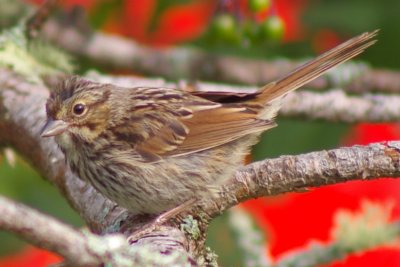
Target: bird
[{"x": 150, "y": 149}]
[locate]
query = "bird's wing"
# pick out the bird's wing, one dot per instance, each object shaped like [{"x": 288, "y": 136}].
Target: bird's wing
[{"x": 176, "y": 123}]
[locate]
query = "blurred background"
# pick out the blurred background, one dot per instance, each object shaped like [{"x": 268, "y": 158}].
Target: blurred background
[{"x": 262, "y": 29}]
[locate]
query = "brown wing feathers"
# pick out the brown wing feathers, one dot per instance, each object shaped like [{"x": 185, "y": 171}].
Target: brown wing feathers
[
  {"x": 214, "y": 127},
  {"x": 210, "y": 128},
  {"x": 317, "y": 67},
  {"x": 212, "y": 124}
]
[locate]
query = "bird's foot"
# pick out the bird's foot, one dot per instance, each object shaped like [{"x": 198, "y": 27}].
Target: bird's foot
[{"x": 158, "y": 221}]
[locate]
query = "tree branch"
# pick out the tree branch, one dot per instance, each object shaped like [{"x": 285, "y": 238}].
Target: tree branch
[
  {"x": 45, "y": 232},
  {"x": 297, "y": 173},
  {"x": 336, "y": 106},
  {"x": 79, "y": 248},
  {"x": 177, "y": 63},
  {"x": 36, "y": 21}
]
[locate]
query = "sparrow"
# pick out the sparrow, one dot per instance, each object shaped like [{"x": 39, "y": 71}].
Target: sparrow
[{"x": 150, "y": 149}]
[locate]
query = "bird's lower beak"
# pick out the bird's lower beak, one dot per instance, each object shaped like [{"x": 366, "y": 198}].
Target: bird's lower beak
[{"x": 53, "y": 128}]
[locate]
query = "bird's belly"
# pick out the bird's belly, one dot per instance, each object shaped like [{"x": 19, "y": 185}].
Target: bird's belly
[{"x": 160, "y": 186}]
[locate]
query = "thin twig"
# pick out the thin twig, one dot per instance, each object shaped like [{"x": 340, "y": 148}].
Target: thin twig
[
  {"x": 249, "y": 239},
  {"x": 337, "y": 106},
  {"x": 36, "y": 21}
]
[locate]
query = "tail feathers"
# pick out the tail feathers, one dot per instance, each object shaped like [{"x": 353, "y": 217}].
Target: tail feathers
[{"x": 315, "y": 68}]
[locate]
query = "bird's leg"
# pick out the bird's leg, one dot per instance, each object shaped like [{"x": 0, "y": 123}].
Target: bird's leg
[
  {"x": 169, "y": 214},
  {"x": 160, "y": 220}
]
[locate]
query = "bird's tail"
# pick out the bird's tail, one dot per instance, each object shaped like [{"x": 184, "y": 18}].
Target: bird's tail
[{"x": 317, "y": 67}]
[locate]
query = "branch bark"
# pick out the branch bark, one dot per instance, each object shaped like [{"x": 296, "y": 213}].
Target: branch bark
[
  {"x": 80, "y": 248},
  {"x": 297, "y": 173},
  {"x": 22, "y": 116},
  {"x": 45, "y": 232}
]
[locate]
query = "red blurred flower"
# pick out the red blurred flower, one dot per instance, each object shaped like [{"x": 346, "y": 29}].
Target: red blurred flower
[
  {"x": 183, "y": 23},
  {"x": 365, "y": 133},
  {"x": 290, "y": 12},
  {"x": 136, "y": 16},
  {"x": 30, "y": 256},
  {"x": 176, "y": 24}
]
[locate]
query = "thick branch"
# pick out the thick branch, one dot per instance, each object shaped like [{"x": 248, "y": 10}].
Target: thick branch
[
  {"x": 79, "y": 248},
  {"x": 297, "y": 173},
  {"x": 178, "y": 63}
]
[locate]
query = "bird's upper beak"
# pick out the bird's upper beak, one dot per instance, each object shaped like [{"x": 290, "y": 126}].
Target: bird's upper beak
[{"x": 53, "y": 128}]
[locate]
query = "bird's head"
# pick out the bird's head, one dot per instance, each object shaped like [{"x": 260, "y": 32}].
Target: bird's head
[{"x": 77, "y": 109}]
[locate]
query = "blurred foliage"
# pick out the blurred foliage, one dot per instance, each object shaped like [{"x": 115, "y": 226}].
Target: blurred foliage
[
  {"x": 345, "y": 18},
  {"x": 299, "y": 136},
  {"x": 31, "y": 59},
  {"x": 222, "y": 240},
  {"x": 352, "y": 17},
  {"x": 11, "y": 12},
  {"x": 103, "y": 11}
]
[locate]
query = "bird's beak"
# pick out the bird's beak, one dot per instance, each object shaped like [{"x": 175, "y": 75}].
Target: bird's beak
[{"x": 53, "y": 128}]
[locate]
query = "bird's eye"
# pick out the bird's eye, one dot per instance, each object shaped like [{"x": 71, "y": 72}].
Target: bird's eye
[{"x": 79, "y": 109}]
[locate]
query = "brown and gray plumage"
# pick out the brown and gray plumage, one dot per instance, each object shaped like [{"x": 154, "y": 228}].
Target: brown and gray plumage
[{"x": 152, "y": 149}]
